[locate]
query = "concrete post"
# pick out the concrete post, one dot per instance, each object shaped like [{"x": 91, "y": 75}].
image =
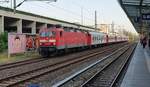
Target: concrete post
[
  {"x": 33, "y": 27},
  {"x": 19, "y": 26},
  {"x": 44, "y": 26},
  {"x": 1, "y": 24}
]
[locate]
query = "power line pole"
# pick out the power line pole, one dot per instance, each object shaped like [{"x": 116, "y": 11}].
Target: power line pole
[
  {"x": 11, "y": 4},
  {"x": 82, "y": 15},
  {"x": 112, "y": 27},
  {"x": 95, "y": 20},
  {"x": 14, "y": 6}
]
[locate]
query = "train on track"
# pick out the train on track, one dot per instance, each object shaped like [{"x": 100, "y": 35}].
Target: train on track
[{"x": 57, "y": 39}]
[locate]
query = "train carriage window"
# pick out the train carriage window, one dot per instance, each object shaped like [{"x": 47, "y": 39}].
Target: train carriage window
[{"x": 99, "y": 37}]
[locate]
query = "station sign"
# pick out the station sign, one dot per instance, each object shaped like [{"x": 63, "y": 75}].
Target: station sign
[
  {"x": 146, "y": 16},
  {"x": 137, "y": 19}
]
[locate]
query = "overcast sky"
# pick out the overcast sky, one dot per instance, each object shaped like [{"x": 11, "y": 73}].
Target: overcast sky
[{"x": 71, "y": 10}]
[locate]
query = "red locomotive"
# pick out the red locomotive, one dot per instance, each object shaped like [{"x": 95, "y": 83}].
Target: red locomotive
[{"x": 57, "y": 39}]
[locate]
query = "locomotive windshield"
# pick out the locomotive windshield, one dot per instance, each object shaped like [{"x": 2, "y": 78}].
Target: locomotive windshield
[{"x": 47, "y": 34}]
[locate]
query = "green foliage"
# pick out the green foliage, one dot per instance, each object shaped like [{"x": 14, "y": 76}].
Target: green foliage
[
  {"x": 3, "y": 41},
  {"x": 133, "y": 37}
]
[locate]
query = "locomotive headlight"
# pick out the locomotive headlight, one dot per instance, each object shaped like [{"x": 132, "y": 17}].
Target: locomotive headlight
[
  {"x": 52, "y": 40},
  {"x": 54, "y": 43},
  {"x": 42, "y": 40}
]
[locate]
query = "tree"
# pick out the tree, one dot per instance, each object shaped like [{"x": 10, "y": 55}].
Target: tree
[{"x": 3, "y": 41}]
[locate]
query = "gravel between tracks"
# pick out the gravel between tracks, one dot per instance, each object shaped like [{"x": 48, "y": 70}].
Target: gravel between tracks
[
  {"x": 109, "y": 74},
  {"x": 67, "y": 71},
  {"x": 10, "y": 72},
  {"x": 83, "y": 77},
  {"x": 13, "y": 71}
]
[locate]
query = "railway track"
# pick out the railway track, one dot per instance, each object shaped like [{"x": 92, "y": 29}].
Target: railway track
[
  {"x": 29, "y": 61},
  {"x": 84, "y": 77},
  {"x": 108, "y": 76},
  {"x": 35, "y": 73},
  {"x": 20, "y": 63}
]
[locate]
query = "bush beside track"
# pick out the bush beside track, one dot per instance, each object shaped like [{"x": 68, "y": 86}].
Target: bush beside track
[{"x": 3, "y": 41}]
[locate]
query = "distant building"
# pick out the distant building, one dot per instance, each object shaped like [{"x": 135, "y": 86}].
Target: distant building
[{"x": 104, "y": 28}]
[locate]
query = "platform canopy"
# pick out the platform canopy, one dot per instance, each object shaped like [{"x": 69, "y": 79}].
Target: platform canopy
[{"x": 138, "y": 12}]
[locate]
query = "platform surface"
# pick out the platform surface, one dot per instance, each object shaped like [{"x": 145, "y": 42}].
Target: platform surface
[{"x": 138, "y": 72}]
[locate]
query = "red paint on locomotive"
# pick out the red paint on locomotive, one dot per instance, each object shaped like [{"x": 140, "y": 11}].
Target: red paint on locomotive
[
  {"x": 58, "y": 39},
  {"x": 55, "y": 39}
]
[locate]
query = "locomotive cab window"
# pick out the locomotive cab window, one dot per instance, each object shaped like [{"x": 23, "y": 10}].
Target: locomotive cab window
[
  {"x": 47, "y": 34},
  {"x": 53, "y": 34}
]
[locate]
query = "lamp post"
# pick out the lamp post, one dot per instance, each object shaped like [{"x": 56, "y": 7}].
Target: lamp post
[{"x": 15, "y": 6}]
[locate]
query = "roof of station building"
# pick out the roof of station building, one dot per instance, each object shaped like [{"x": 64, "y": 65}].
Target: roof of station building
[
  {"x": 44, "y": 17},
  {"x": 138, "y": 11}
]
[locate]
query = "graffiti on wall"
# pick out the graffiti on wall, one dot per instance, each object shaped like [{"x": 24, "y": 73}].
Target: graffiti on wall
[
  {"x": 16, "y": 43},
  {"x": 32, "y": 42},
  {"x": 19, "y": 43}
]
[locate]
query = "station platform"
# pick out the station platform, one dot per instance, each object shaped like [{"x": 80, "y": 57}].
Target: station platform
[{"x": 138, "y": 72}]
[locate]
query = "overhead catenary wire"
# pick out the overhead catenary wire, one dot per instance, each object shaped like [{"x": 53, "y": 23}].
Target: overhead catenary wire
[
  {"x": 4, "y": 1},
  {"x": 91, "y": 13},
  {"x": 83, "y": 11},
  {"x": 49, "y": 10},
  {"x": 83, "y": 7},
  {"x": 77, "y": 14},
  {"x": 82, "y": 16}
]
